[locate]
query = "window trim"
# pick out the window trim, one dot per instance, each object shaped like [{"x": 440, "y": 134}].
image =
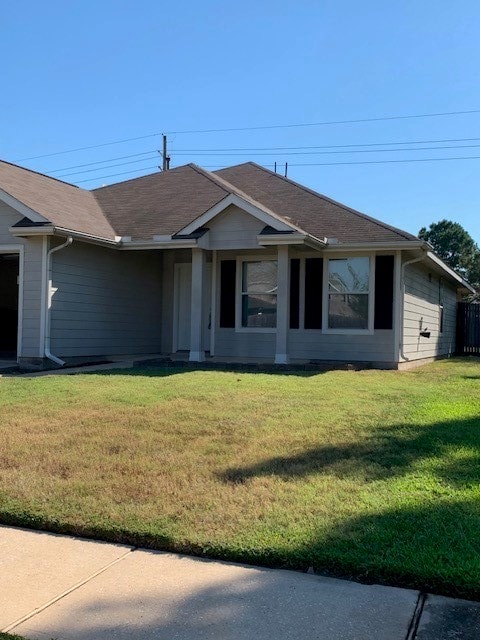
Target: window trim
[
  {"x": 369, "y": 331},
  {"x": 239, "y": 293}
]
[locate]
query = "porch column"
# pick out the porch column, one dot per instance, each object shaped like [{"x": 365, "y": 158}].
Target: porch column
[
  {"x": 283, "y": 306},
  {"x": 197, "y": 352}
]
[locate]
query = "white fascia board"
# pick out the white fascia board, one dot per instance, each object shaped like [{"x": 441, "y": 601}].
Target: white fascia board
[
  {"x": 268, "y": 218},
  {"x": 375, "y": 246},
  {"x": 274, "y": 239},
  {"x": 170, "y": 244},
  {"x": 21, "y": 208},
  {"x": 435, "y": 259},
  {"x": 51, "y": 230},
  {"x": 21, "y": 232}
]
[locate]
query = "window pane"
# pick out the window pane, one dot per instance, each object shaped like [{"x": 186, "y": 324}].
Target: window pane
[
  {"x": 349, "y": 275},
  {"x": 259, "y": 311},
  {"x": 259, "y": 277},
  {"x": 348, "y": 311}
]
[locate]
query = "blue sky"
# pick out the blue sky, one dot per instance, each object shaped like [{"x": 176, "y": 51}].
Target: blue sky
[{"x": 78, "y": 74}]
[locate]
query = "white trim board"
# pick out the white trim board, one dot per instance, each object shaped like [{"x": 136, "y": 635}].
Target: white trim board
[{"x": 264, "y": 216}]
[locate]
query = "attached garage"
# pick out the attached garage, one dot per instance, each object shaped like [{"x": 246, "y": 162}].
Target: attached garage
[{"x": 9, "y": 280}]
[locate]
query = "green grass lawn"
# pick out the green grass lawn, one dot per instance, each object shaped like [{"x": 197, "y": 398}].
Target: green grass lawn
[{"x": 372, "y": 475}]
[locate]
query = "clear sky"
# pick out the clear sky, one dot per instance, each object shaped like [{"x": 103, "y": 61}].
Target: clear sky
[{"x": 83, "y": 73}]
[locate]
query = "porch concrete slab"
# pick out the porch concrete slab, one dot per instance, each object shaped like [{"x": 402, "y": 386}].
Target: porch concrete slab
[
  {"x": 37, "y": 567},
  {"x": 160, "y": 596},
  {"x": 449, "y": 619}
]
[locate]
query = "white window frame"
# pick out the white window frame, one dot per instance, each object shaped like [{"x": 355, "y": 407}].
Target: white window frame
[
  {"x": 239, "y": 294},
  {"x": 371, "y": 295}
]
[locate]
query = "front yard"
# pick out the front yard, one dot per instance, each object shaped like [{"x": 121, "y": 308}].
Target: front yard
[{"x": 371, "y": 475}]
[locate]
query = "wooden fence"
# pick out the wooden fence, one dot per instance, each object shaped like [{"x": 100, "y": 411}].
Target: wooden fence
[{"x": 468, "y": 329}]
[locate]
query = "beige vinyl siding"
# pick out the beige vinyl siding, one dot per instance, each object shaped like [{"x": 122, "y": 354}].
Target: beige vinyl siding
[
  {"x": 32, "y": 288},
  {"x": 105, "y": 302},
  {"x": 422, "y": 312}
]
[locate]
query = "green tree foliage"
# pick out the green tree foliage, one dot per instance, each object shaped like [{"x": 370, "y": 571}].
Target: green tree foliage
[{"x": 456, "y": 247}]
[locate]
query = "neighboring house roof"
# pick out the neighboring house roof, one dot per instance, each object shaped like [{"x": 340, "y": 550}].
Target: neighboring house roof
[
  {"x": 63, "y": 204},
  {"x": 165, "y": 203}
]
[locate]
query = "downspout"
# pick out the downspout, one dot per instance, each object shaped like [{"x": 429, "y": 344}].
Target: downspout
[
  {"x": 402, "y": 288},
  {"x": 48, "y": 306}
]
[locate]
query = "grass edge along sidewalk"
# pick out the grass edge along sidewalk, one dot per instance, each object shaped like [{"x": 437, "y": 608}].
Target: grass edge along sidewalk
[{"x": 370, "y": 475}]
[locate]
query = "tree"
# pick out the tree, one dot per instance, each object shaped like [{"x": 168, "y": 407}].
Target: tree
[{"x": 456, "y": 247}]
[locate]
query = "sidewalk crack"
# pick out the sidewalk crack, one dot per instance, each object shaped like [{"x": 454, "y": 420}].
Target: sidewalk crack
[
  {"x": 417, "y": 614},
  {"x": 65, "y": 593}
]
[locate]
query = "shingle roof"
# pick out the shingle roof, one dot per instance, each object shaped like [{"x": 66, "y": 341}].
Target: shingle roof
[
  {"x": 160, "y": 203},
  {"x": 318, "y": 215},
  {"x": 61, "y": 203},
  {"x": 164, "y": 203}
]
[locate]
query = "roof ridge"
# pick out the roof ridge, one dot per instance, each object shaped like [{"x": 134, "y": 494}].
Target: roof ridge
[
  {"x": 43, "y": 175},
  {"x": 379, "y": 223},
  {"x": 219, "y": 182}
]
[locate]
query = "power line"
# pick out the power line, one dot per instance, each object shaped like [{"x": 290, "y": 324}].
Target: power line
[
  {"x": 330, "y": 146},
  {"x": 328, "y": 122},
  {"x": 112, "y": 175},
  {"x": 110, "y": 166},
  {"x": 89, "y": 164},
  {"x": 314, "y": 153},
  {"x": 257, "y": 128},
  {"x": 324, "y": 164},
  {"x": 251, "y": 150},
  {"x": 315, "y": 164}
]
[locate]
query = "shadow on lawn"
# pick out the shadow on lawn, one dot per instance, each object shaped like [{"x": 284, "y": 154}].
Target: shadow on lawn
[
  {"x": 387, "y": 452},
  {"x": 174, "y": 368},
  {"x": 429, "y": 540}
]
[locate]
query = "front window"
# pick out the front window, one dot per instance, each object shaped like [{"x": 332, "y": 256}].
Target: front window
[
  {"x": 348, "y": 291},
  {"x": 259, "y": 294}
]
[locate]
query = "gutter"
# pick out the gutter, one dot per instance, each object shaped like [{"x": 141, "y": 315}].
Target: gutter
[
  {"x": 402, "y": 303},
  {"x": 48, "y": 306}
]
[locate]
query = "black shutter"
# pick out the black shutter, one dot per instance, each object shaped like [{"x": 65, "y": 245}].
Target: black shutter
[
  {"x": 383, "y": 292},
  {"x": 228, "y": 271},
  {"x": 313, "y": 293},
  {"x": 294, "y": 293}
]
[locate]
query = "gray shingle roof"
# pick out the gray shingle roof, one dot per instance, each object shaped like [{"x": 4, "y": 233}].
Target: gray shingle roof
[
  {"x": 61, "y": 203},
  {"x": 318, "y": 215},
  {"x": 164, "y": 203}
]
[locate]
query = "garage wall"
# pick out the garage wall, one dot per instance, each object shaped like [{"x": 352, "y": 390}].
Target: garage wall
[{"x": 106, "y": 302}]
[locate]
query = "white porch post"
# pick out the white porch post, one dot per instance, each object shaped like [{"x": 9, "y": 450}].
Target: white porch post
[
  {"x": 197, "y": 352},
  {"x": 283, "y": 306}
]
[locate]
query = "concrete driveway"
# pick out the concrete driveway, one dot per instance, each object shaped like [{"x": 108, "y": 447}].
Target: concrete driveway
[{"x": 73, "y": 589}]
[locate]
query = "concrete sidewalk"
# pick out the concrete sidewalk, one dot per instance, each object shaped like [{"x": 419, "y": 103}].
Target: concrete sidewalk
[{"x": 68, "y": 588}]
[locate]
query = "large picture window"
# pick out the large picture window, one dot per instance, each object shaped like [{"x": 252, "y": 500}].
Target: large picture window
[
  {"x": 348, "y": 293},
  {"x": 259, "y": 294}
]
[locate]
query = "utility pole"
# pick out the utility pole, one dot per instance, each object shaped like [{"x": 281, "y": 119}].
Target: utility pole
[{"x": 165, "y": 157}]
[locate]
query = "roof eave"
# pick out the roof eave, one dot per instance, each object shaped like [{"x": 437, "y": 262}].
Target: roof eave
[
  {"x": 52, "y": 230},
  {"x": 453, "y": 274}
]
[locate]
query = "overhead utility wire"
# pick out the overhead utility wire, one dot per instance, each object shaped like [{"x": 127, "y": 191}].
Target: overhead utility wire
[
  {"x": 89, "y": 164},
  {"x": 328, "y": 122},
  {"x": 318, "y": 153},
  {"x": 330, "y": 146},
  {"x": 315, "y": 164},
  {"x": 248, "y": 152},
  {"x": 300, "y": 153},
  {"x": 110, "y": 166},
  {"x": 258, "y": 128},
  {"x": 112, "y": 175}
]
